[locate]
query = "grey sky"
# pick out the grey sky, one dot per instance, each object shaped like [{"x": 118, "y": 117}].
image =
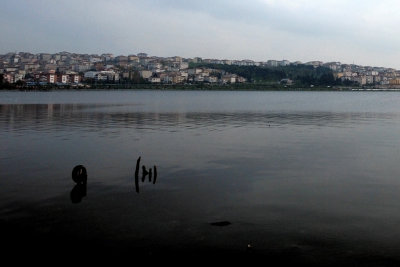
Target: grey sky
[{"x": 364, "y": 32}]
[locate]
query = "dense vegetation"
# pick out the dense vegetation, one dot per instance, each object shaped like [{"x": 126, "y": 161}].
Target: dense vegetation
[{"x": 302, "y": 75}]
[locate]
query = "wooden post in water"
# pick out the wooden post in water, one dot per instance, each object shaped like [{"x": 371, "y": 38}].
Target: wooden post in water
[
  {"x": 155, "y": 174},
  {"x": 137, "y": 175},
  {"x": 144, "y": 173}
]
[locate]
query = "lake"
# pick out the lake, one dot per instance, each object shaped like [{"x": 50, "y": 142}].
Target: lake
[{"x": 296, "y": 177}]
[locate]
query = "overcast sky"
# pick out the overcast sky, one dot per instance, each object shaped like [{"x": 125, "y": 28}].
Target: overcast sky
[{"x": 364, "y": 32}]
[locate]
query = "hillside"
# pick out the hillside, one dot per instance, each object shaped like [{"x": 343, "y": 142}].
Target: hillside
[{"x": 301, "y": 75}]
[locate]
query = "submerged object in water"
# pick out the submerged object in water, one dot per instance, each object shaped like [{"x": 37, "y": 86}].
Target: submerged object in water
[
  {"x": 79, "y": 174},
  {"x": 222, "y": 223}
]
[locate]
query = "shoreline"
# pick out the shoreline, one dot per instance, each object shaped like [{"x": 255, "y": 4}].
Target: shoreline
[
  {"x": 198, "y": 87},
  {"x": 205, "y": 89}
]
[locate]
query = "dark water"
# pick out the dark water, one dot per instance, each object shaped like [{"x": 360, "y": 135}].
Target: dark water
[{"x": 305, "y": 177}]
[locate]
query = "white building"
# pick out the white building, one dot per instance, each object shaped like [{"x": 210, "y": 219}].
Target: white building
[
  {"x": 194, "y": 71},
  {"x": 272, "y": 63},
  {"x": 284, "y": 63},
  {"x": 155, "y": 80},
  {"x": 145, "y": 74},
  {"x": 184, "y": 65},
  {"x": 63, "y": 78},
  {"x": 211, "y": 79}
]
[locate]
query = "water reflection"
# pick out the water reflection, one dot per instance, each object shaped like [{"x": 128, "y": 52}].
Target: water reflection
[
  {"x": 327, "y": 184},
  {"x": 50, "y": 117},
  {"x": 78, "y": 193}
]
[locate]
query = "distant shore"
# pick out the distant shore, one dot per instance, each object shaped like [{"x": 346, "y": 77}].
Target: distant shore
[{"x": 206, "y": 87}]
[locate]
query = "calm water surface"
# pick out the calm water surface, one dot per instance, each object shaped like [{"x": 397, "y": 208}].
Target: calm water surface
[{"x": 312, "y": 174}]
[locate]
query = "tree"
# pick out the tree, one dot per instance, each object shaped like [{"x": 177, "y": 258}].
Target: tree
[
  {"x": 2, "y": 81},
  {"x": 136, "y": 77},
  {"x": 19, "y": 83}
]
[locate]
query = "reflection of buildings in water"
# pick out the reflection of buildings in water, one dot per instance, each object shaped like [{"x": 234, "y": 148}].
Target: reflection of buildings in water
[
  {"x": 50, "y": 109},
  {"x": 101, "y": 116},
  {"x": 181, "y": 118}
]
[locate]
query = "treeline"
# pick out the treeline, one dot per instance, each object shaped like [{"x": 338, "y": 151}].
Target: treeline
[
  {"x": 301, "y": 75},
  {"x": 1, "y": 81}
]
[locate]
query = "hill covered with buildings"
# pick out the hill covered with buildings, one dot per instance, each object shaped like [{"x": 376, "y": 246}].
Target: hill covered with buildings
[{"x": 64, "y": 69}]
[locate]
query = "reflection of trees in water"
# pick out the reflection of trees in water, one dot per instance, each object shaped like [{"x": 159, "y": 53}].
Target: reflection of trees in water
[{"x": 102, "y": 116}]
